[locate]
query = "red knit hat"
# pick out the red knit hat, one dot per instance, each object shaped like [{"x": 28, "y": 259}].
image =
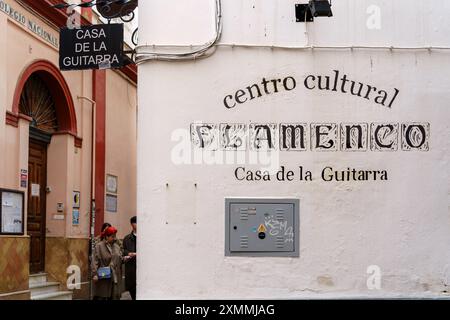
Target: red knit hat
[{"x": 109, "y": 231}]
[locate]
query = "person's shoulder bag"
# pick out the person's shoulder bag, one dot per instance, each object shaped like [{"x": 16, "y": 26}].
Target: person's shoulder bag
[{"x": 104, "y": 273}]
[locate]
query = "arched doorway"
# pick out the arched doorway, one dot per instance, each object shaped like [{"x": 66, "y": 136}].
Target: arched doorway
[
  {"x": 37, "y": 102},
  {"x": 43, "y": 96}
]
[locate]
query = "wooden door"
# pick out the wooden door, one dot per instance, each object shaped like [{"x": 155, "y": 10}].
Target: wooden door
[{"x": 37, "y": 169}]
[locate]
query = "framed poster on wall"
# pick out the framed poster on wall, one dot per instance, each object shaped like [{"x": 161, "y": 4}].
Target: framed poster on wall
[
  {"x": 111, "y": 183},
  {"x": 111, "y": 203},
  {"x": 11, "y": 212},
  {"x": 75, "y": 217},
  {"x": 76, "y": 200}
]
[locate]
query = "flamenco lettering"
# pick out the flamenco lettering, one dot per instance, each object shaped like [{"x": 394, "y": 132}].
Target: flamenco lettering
[
  {"x": 335, "y": 82},
  {"x": 347, "y": 137}
]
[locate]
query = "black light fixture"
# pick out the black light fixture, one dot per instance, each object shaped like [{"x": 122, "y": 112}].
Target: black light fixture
[
  {"x": 315, "y": 8},
  {"x": 116, "y": 9},
  {"x": 109, "y": 9}
]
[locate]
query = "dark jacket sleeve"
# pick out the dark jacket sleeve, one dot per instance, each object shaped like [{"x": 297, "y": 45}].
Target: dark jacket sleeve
[{"x": 126, "y": 245}]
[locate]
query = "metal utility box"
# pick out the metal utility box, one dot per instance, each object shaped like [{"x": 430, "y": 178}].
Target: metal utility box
[{"x": 257, "y": 227}]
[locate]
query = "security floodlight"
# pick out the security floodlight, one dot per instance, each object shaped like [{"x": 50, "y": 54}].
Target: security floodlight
[
  {"x": 315, "y": 8},
  {"x": 320, "y": 8}
]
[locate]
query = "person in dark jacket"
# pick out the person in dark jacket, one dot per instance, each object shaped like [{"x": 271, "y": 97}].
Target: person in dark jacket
[{"x": 129, "y": 250}]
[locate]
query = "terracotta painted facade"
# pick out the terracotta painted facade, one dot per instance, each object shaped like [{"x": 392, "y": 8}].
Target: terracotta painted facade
[
  {"x": 62, "y": 252},
  {"x": 96, "y": 136},
  {"x": 14, "y": 270}
]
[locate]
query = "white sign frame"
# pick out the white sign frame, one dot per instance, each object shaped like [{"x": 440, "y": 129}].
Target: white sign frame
[{"x": 12, "y": 203}]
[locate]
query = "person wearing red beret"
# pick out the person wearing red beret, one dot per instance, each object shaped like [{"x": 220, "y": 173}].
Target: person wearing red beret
[{"x": 107, "y": 262}]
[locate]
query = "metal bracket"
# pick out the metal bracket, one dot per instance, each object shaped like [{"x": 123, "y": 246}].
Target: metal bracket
[
  {"x": 303, "y": 13},
  {"x": 129, "y": 59}
]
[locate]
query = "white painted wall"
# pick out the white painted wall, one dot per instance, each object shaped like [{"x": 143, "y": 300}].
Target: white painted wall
[{"x": 400, "y": 225}]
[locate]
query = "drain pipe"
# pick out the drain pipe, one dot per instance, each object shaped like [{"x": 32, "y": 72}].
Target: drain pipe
[{"x": 92, "y": 204}]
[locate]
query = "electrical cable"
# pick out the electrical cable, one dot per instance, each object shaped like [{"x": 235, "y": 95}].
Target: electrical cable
[
  {"x": 202, "y": 51},
  {"x": 145, "y": 53}
]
